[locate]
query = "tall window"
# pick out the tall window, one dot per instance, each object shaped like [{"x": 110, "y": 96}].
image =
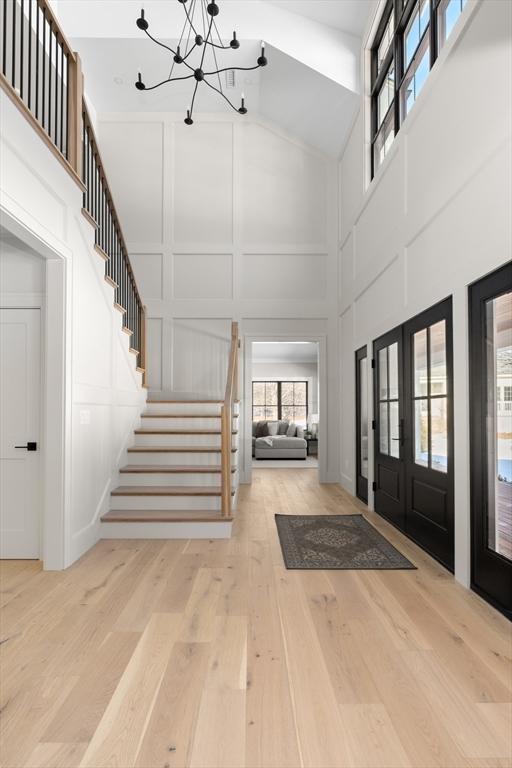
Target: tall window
[
  {"x": 409, "y": 37},
  {"x": 280, "y": 400}
]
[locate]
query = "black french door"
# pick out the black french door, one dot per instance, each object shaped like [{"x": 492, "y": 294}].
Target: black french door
[
  {"x": 361, "y": 425},
  {"x": 414, "y": 430},
  {"x": 490, "y": 322}
]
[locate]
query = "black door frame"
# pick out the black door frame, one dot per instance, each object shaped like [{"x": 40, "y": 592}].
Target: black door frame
[
  {"x": 491, "y": 573},
  {"x": 361, "y": 481},
  {"x": 397, "y": 509}
]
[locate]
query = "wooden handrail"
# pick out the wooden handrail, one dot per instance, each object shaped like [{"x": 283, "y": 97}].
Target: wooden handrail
[{"x": 226, "y": 420}]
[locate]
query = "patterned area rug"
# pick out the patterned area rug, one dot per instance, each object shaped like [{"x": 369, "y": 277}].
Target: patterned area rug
[{"x": 336, "y": 542}]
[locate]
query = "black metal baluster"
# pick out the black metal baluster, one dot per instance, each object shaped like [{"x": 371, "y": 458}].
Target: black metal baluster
[
  {"x": 61, "y": 146},
  {"x": 29, "y": 99},
  {"x": 13, "y": 73},
  {"x": 66, "y": 111},
  {"x": 38, "y": 13},
  {"x": 22, "y": 40},
  {"x": 4, "y": 41},
  {"x": 56, "y": 115},
  {"x": 50, "y": 46},
  {"x": 43, "y": 83}
]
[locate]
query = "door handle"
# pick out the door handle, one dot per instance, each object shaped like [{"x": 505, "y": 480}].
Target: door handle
[
  {"x": 28, "y": 446},
  {"x": 400, "y": 433}
]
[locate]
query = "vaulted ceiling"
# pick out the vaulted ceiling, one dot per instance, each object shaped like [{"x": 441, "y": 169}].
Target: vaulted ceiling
[{"x": 310, "y": 86}]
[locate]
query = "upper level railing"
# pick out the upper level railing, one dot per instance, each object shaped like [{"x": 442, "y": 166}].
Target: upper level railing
[
  {"x": 226, "y": 421},
  {"x": 99, "y": 205},
  {"x": 43, "y": 77}
]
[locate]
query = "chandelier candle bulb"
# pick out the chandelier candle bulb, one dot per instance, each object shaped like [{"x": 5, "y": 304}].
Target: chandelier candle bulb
[{"x": 197, "y": 19}]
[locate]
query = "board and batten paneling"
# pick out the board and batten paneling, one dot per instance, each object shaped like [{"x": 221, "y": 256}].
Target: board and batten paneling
[
  {"x": 435, "y": 218},
  {"x": 249, "y": 230}
]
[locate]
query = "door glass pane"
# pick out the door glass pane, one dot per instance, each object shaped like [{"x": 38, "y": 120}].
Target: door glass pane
[
  {"x": 439, "y": 434},
  {"x": 421, "y": 432},
  {"x": 394, "y": 444},
  {"x": 420, "y": 364},
  {"x": 438, "y": 359},
  {"x": 393, "y": 371},
  {"x": 499, "y": 424},
  {"x": 383, "y": 429},
  {"x": 363, "y": 395},
  {"x": 383, "y": 373}
]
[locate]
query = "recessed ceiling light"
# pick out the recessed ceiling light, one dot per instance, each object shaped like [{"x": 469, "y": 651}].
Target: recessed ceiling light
[{"x": 118, "y": 80}]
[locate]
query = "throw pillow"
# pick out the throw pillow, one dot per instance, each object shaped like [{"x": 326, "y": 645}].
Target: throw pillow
[
  {"x": 272, "y": 427},
  {"x": 283, "y": 428},
  {"x": 292, "y": 429},
  {"x": 261, "y": 429}
]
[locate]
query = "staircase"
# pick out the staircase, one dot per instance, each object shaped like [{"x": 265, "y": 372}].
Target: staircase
[{"x": 181, "y": 473}]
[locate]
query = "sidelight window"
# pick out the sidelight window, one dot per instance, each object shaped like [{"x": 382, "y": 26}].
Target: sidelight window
[
  {"x": 431, "y": 397},
  {"x": 389, "y": 418}
]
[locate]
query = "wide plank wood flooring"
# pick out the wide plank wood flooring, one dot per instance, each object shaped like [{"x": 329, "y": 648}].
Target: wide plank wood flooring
[{"x": 210, "y": 654}]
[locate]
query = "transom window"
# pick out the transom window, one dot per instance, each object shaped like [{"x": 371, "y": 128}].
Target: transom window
[
  {"x": 280, "y": 401},
  {"x": 409, "y": 37}
]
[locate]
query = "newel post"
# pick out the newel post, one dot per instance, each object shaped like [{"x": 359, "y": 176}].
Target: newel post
[{"x": 76, "y": 92}]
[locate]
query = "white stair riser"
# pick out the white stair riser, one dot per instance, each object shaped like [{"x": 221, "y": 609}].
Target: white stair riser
[
  {"x": 179, "y": 423},
  {"x": 177, "y": 440},
  {"x": 173, "y": 459},
  {"x": 190, "y": 530},
  {"x": 169, "y": 478},
  {"x": 165, "y": 502}
]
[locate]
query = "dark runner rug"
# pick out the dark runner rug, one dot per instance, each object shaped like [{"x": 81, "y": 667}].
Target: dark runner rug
[{"x": 337, "y": 542}]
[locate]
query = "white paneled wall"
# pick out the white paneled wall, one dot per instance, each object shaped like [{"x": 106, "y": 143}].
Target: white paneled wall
[
  {"x": 248, "y": 233},
  {"x": 435, "y": 218},
  {"x": 93, "y": 395}
]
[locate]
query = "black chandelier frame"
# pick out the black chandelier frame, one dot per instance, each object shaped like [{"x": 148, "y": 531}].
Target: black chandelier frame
[{"x": 205, "y": 41}]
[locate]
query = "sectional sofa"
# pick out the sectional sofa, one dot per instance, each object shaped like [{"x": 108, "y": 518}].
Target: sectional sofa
[{"x": 278, "y": 440}]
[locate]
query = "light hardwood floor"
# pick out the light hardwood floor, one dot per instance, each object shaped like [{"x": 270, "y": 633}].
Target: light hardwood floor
[{"x": 209, "y": 653}]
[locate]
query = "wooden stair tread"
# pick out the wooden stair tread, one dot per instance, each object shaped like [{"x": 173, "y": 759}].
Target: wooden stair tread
[
  {"x": 177, "y": 449},
  {"x": 180, "y": 416},
  {"x": 165, "y": 516},
  {"x": 168, "y": 490},
  {"x": 173, "y": 469},
  {"x": 192, "y": 402},
  {"x": 181, "y": 432}
]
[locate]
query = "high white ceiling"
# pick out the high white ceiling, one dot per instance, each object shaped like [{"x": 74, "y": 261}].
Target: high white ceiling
[
  {"x": 310, "y": 86},
  {"x": 285, "y": 352},
  {"x": 346, "y": 15}
]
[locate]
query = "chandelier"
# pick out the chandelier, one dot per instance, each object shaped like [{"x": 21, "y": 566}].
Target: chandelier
[{"x": 200, "y": 35}]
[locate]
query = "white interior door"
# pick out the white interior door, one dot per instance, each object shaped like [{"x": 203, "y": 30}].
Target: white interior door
[{"x": 20, "y": 406}]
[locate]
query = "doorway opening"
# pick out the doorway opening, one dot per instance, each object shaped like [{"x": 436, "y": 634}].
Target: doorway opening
[{"x": 285, "y": 404}]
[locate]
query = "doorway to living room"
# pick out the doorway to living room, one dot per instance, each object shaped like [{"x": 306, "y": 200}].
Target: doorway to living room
[{"x": 284, "y": 404}]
